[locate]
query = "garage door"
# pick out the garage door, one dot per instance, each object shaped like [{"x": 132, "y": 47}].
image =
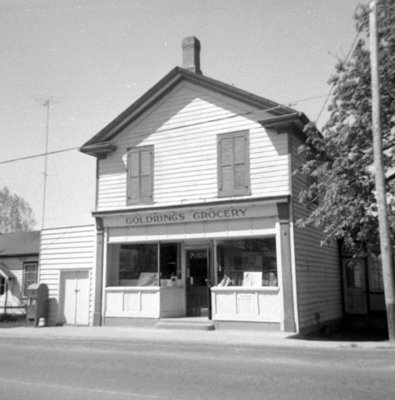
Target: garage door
[{"x": 74, "y": 302}]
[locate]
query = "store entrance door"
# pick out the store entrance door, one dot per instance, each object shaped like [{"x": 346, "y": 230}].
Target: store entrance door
[{"x": 197, "y": 262}]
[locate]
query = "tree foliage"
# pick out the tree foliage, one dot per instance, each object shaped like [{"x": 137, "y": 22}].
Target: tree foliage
[
  {"x": 15, "y": 213},
  {"x": 340, "y": 158}
]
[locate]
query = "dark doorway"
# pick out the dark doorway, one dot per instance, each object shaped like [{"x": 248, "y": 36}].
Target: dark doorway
[{"x": 197, "y": 294}]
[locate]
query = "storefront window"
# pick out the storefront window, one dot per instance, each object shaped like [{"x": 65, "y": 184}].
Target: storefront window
[
  {"x": 137, "y": 264},
  {"x": 248, "y": 263},
  {"x": 133, "y": 265}
]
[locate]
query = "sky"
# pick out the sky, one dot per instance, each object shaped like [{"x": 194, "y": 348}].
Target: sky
[{"x": 94, "y": 58}]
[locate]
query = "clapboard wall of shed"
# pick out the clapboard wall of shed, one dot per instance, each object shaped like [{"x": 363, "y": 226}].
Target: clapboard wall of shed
[
  {"x": 318, "y": 276},
  {"x": 66, "y": 249},
  {"x": 183, "y": 128}
]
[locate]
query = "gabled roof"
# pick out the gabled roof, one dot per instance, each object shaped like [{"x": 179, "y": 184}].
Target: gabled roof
[
  {"x": 99, "y": 145},
  {"x": 5, "y": 272},
  {"x": 19, "y": 244}
]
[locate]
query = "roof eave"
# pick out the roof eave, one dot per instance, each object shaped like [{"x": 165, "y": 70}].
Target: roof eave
[
  {"x": 296, "y": 119},
  {"x": 100, "y": 150}
]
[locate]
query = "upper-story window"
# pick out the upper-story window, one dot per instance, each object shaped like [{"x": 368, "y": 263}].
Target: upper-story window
[
  {"x": 140, "y": 175},
  {"x": 233, "y": 164}
]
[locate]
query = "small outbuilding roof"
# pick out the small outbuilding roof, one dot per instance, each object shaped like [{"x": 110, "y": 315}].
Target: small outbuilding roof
[{"x": 19, "y": 243}]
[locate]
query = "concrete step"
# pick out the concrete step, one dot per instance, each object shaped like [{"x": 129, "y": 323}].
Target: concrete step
[{"x": 185, "y": 323}]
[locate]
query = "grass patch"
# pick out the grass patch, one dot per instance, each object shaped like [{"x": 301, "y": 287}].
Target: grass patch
[{"x": 13, "y": 321}]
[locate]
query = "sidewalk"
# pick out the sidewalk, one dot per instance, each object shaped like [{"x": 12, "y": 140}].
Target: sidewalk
[{"x": 155, "y": 335}]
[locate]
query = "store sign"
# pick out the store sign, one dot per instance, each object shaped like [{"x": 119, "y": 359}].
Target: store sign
[{"x": 186, "y": 216}]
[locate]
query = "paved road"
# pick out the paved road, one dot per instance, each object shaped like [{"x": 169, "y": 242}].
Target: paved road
[{"x": 102, "y": 369}]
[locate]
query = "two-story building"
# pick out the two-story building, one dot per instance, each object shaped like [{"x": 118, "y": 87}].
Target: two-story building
[{"x": 196, "y": 208}]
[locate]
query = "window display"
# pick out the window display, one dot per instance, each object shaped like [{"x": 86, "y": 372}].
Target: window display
[
  {"x": 247, "y": 262},
  {"x": 137, "y": 265}
]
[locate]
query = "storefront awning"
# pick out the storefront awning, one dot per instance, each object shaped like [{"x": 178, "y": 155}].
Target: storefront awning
[{"x": 5, "y": 272}]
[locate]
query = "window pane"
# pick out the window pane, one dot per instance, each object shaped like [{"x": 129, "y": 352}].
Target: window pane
[
  {"x": 29, "y": 276},
  {"x": 250, "y": 262},
  {"x": 138, "y": 265}
]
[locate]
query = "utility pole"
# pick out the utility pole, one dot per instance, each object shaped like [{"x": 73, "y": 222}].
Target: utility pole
[{"x": 382, "y": 208}]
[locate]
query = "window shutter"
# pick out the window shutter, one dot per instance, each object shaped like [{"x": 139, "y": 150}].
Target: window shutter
[
  {"x": 146, "y": 174},
  {"x": 134, "y": 173},
  {"x": 225, "y": 165},
  {"x": 233, "y": 164},
  {"x": 140, "y": 175},
  {"x": 239, "y": 149}
]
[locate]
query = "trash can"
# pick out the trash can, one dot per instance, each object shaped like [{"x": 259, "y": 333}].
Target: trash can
[{"x": 37, "y": 304}]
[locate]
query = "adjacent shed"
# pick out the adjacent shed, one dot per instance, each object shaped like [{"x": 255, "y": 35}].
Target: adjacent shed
[{"x": 67, "y": 259}]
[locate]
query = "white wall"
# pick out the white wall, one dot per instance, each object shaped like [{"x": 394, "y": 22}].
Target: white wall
[
  {"x": 66, "y": 249},
  {"x": 318, "y": 274},
  {"x": 183, "y": 128}
]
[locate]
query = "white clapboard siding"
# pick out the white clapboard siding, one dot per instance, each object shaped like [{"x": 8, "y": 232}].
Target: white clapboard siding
[
  {"x": 183, "y": 128},
  {"x": 318, "y": 277},
  {"x": 66, "y": 249}
]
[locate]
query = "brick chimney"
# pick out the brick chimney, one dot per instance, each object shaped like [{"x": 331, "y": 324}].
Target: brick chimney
[{"x": 191, "y": 54}]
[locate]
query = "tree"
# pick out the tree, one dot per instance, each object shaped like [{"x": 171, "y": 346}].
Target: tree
[
  {"x": 340, "y": 158},
  {"x": 15, "y": 213}
]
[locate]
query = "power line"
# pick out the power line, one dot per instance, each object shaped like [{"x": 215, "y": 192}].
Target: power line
[
  {"x": 38, "y": 155},
  {"x": 294, "y": 102},
  {"x": 184, "y": 126}
]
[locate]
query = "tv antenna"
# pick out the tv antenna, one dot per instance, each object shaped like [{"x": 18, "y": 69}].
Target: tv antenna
[{"x": 46, "y": 102}]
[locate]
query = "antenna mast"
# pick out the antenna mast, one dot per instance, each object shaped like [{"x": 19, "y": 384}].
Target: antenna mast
[{"x": 47, "y": 104}]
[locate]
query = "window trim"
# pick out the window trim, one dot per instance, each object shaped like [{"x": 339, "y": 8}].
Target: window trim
[
  {"x": 247, "y": 188},
  {"x": 24, "y": 286},
  {"x": 225, "y": 242},
  {"x": 140, "y": 199}
]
